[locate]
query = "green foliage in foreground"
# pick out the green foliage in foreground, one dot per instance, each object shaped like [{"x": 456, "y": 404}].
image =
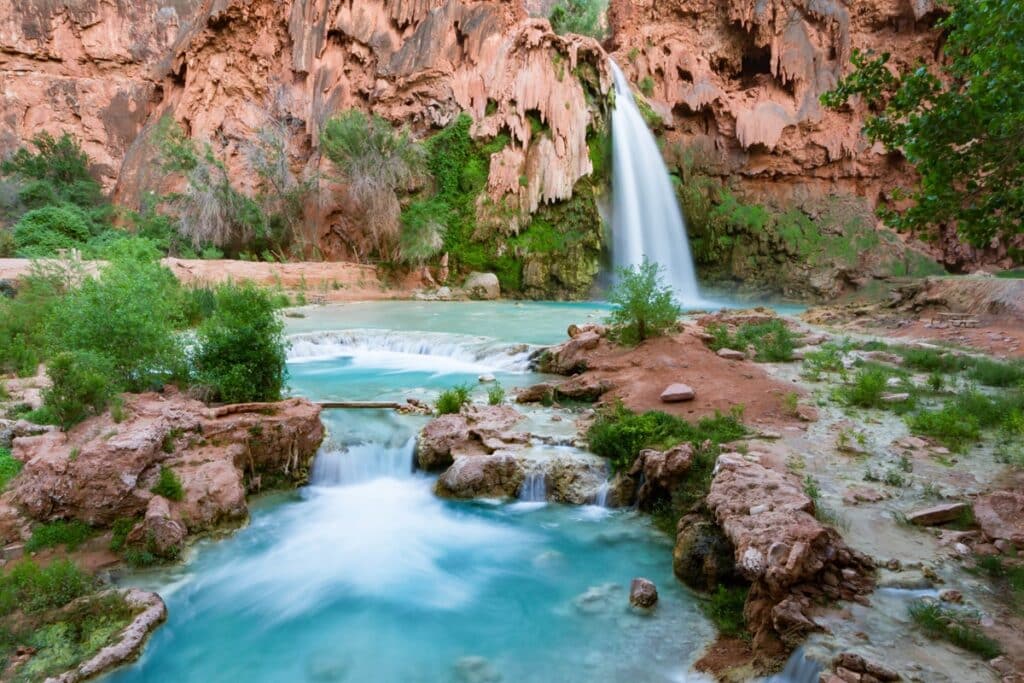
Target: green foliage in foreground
[
  {"x": 619, "y": 434},
  {"x": 452, "y": 400},
  {"x": 28, "y": 587},
  {"x": 644, "y": 306},
  {"x": 942, "y": 622},
  {"x": 495, "y": 394},
  {"x": 773, "y": 341},
  {"x": 80, "y": 386},
  {"x": 959, "y": 422},
  {"x": 168, "y": 485},
  {"x": 52, "y": 534},
  {"x": 9, "y": 468},
  {"x": 241, "y": 346},
  {"x": 724, "y": 607},
  {"x": 961, "y": 127},
  {"x": 584, "y": 17}
]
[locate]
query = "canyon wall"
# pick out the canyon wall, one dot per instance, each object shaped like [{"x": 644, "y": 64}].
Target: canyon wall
[{"x": 735, "y": 85}]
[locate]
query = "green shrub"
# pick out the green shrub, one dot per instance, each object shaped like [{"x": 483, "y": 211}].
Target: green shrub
[
  {"x": 619, "y": 434},
  {"x": 42, "y": 232},
  {"x": 241, "y": 347},
  {"x": 169, "y": 485},
  {"x": 724, "y": 607},
  {"x": 452, "y": 400},
  {"x": 119, "y": 533},
  {"x": 60, "y": 165},
  {"x": 126, "y": 315},
  {"x": 584, "y": 17},
  {"x": 644, "y": 306},
  {"x": 941, "y": 622},
  {"x": 28, "y": 587},
  {"x": 948, "y": 425},
  {"x": 9, "y": 468},
  {"x": 866, "y": 389},
  {"x": 495, "y": 396},
  {"x": 993, "y": 373},
  {"x": 23, "y": 319},
  {"x": 80, "y": 386},
  {"x": 773, "y": 341},
  {"x": 932, "y": 360},
  {"x": 61, "y": 532}
]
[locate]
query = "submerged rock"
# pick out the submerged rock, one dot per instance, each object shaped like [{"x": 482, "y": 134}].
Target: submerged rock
[{"x": 643, "y": 593}]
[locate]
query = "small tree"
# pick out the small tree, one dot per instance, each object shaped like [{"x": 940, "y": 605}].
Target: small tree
[
  {"x": 241, "y": 349},
  {"x": 80, "y": 386},
  {"x": 644, "y": 306},
  {"x": 585, "y": 17}
]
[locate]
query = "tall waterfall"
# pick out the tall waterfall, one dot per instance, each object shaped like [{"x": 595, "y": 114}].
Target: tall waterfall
[{"x": 646, "y": 220}]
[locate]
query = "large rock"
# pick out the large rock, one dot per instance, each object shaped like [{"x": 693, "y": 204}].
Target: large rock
[
  {"x": 782, "y": 549},
  {"x": 160, "y": 532},
  {"x": 103, "y": 470},
  {"x": 643, "y": 593},
  {"x": 702, "y": 557},
  {"x": 938, "y": 514},
  {"x": 483, "y": 286},
  {"x": 570, "y": 357},
  {"x": 678, "y": 393},
  {"x": 498, "y": 475},
  {"x": 476, "y": 430},
  {"x": 584, "y": 388},
  {"x": 1001, "y": 516},
  {"x": 662, "y": 472}
]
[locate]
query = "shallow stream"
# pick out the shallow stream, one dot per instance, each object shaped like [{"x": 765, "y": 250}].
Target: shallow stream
[{"x": 366, "y": 576}]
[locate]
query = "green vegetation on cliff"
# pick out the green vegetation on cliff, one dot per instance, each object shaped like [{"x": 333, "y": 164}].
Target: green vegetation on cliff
[
  {"x": 585, "y": 17},
  {"x": 959, "y": 124}
]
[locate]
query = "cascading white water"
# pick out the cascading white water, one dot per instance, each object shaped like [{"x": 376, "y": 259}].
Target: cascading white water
[
  {"x": 362, "y": 463},
  {"x": 435, "y": 352},
  {"x": 646, "y": 220},
  {"x": 601, "y": 497},
  {"x": 534, "y": 488}
]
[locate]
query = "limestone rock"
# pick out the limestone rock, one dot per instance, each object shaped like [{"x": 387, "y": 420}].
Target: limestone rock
[
  {"x": 159, "y": 530},
  {"x": 537, "y": 393},
  {"x": 731, "y": 354},
  {"x": 583, "y": 388},
  {"x": 476, "y": 430},
  {"x": 677, "y": 393},
  {"x": 662, "y": 472},
  {"x": 570, "y": 357},
  {"x": 1001, "y": 516},
  {"x": 643, "y": 593},
  {"x": 498, "y": 475},
  {"x": 702, "y": 557},
  {"x": 937, "y": 514},
  {"x": 483, "y": 286}
]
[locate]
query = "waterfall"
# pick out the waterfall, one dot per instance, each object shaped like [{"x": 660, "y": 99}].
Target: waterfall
[
  {"x": 646, "y": 220},
  {"x": 534, "y": 488},
  {"x": 799, "y": 669},
  {"x": 601, "y": 496},
  {"x": 362, "y": 462}
]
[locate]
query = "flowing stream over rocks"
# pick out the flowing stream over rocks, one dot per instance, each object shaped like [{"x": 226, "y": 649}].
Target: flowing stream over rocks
[
  {"x": 646, "y": 220},
  {"x": 366, "y": 575}
]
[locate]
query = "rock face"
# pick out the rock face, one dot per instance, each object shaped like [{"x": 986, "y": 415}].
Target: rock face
[
  {"x": 477, "y": 430},
  {"x": 1001, "y": 516},
  {"x": 103, "y": 470},
  {"x": 660, "y": 473},
  {"x": 789, "y": 557}
]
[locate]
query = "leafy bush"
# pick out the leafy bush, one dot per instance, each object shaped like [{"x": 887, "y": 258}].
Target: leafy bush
[
  {"x": 948, "y": 425},
  {"x": 119, "y": 533},
  {"x": 724, "y": 607},
  {"x": 68, "y": 533},
  {"x": 80, "y": 386},
  {"x": 241, "y": 346},
  {"x": 941, "y": 622},
  {"x": 126, "y": 315},
  {"x": 422, "y": 235},
  {"x": 866, "y": 389},
  {"x": 644, "y": 306},
  {"x": 452, "y": 400},
  {"x": 9, "y": 468},
  {"x": 932, "y": 360},
  {"x": 619, "y": 434},
  {"x": 994, "y": 373},
  {"x": 773, "y": 341},
  {"x": 28, "y": 587},
  {"x": 585, "y": 17},
  {"x": 168, "y": 485},
  {"x": 43, "y": 232}
]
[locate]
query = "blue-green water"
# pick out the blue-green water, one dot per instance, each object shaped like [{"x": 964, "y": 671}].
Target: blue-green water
[{"x": 365, "y": 576}]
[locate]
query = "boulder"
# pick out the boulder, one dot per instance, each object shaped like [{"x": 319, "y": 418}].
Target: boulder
[
  {"x": 476, "y": 430},
  {"x": 102, "y": 470},
  {"x": 643, "y": 593},
  {"x": 159, "y": 532},
  {"x": 576, "y": 330},
  {"x": 938, "y": 514},
  {"x": 483, "y": 286},
  {"x": 584, "y": 388},
  {"x": 662, "y": 472},
  {"x": 702, "y": 557},
  {"x": 498, "y": 475},
  {"x": 806, "y": 413},
  {"x": 538, "y": 393},
  {"x": 569, "y": 358},
  {"x": 1001, "y": 516},
  {"x": 731, "y": 354},
  {"x": 677, "y": 393}
]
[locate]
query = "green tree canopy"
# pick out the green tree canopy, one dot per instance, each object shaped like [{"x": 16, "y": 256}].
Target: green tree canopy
[{"x": 961, "y": 124}]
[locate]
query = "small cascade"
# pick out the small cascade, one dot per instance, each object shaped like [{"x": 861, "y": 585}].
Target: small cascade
[
  {"x": 363, "y": 462},
  {"x": 534, "y": 488},
  {"x": 799, "y": 669},
  {"x": 601, "y": 496},
  {"x": 646, "y": 220},
  {"x": 434, "y": 352}
]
